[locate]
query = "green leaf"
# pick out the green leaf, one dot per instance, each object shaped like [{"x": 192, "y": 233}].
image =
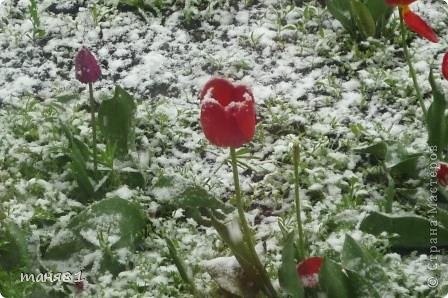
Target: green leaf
[
  {"x": 65, "y": 98},
  {"x": 180, "y": 264},
  {"x": 363, "y": 18},
  {"x": 340, "y": 9},
  {"x": 117, "y": 218},
  {"x": 116, "y": 119},
  {"x": 381, "y": 13},
  {"x": 287, "y": 274},
  {"x": 197, "y": 197},
  {"x": 79, "y": 170},
  {"x": 436, "y": 120},
  {"x": 339, "y": 282},
  {"x": 13, "y": 247},
  {"x": 379, "y": 10},
  {"x": 79, "y": 155},
  {"x": 442, "y": 216},
  {"x": 360, "y": 286},
  {"x": 407, "y": 167},
  {"x": 333, "y": 280},
  {"x": 413, "y": 232},
  {"x": 356, "y": 258},
  {"x": 110, "y": 262},
  {"x": 378, "y": 150}
]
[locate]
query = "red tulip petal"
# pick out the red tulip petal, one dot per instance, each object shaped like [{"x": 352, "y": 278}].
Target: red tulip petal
[
  {"x": 227, "y": 113},
  {"x": 244, "y": 114},
  {"x": 445, "y": 66},
  {"x": 308, "y": 271},
  {"x": 418, "y": 25},
  {"x": 442, "y": 174},
  {"x": 398, "y": 2},
  {"x": 219, "y": 127},
  {"x": 221, "y": 90}
]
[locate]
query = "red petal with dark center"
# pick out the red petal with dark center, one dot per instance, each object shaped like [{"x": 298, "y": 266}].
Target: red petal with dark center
[{"x": 419, "y": 26}]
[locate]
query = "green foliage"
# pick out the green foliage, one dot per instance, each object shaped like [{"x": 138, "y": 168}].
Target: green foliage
[
  {"x": 38, "y": 32},
  {"x": 333, "y": 280},
  {"x": 116, "y": 120},
  {"x": 197, "y": 197},
  {"x": 412, "y": 232},
  {"x": 394, "y": 156},
  {"x": 287, "y": 274},
  {"x": 110, "y": 218},
  {"x": 181, "y": 267},
  {"x": 437, "y": 123},
  {"x": 13, "y": 247},
  {"x": 358, "y": 259},
  {"x": 79, "y": 155},
  {"x": 361, "y": 18},
  {"x": 339, "y": 282}
]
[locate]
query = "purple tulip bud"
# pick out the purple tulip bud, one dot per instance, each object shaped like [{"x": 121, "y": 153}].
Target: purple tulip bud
[{"x": 87, "y": 69}]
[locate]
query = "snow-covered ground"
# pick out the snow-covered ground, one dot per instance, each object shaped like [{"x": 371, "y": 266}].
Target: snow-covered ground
[{"x": 312, "y": 82}]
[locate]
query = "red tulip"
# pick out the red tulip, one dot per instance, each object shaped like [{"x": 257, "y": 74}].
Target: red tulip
[
  {"x": 399, "y": 2},
  {"x": 87, "y": 69},
  {"x": 418, "y": 25},
  {"x": 227, "y": 113},
  {"x": 308, "y": 271},
  {"x": 445, "y": 66},
  {"x": 442, "y": 174}
]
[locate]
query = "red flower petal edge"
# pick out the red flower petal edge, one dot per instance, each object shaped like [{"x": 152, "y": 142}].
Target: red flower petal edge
[
  {"x": 442, "y": 174},
  {"x": 418, "y": 25},
  {"x": 308, "y": 271},
  {"x": 228, "y": 116},
  {"x": 399, "y": 2},
  {"x": 87, "y": 69},
  {"x": 445, "y": 66}
]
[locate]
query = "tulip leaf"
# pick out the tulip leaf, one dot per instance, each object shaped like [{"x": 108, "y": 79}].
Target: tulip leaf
[
  {"x": 381, "y": 13},
  {"x": 79, "y": 155},
  {"x": 411, "y": 232},
  {"x": 436, "y": 120},
  {"x": 358, "y": 259},
  {"x": 80, "y": 173},
  {"x": 333, "y": 280},
  {"x": 363, "y": 18},
  {"x": 197, "y": 197},
  {"x": 378, "y": 150},
  {"x": 360, "y": 286},
  {"x": 340, "y": 9},
  {"x": 379, "y": 9},
  {"x": 339, "y": 282},
  {"x": 116, "y": 218},
  {"x": 287, "y": 274},
  {"x": 116, "y": 119},
  {"x": 406, "y": 167}
]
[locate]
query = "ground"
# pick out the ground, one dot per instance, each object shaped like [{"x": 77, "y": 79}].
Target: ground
[{"x": 311, "y": 83}]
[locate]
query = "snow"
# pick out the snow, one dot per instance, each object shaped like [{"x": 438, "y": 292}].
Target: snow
[
  {"x": 226, "y": 272},
  {"x": 298, "y": 89}
]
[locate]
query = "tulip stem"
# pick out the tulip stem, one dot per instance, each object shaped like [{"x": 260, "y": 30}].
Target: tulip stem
[
  {"x": 296, "y": 161},
  {"x": 411, "y": 67},
  {"x": 93, "y": 124},
  {"x": 267, "y": 285}
]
